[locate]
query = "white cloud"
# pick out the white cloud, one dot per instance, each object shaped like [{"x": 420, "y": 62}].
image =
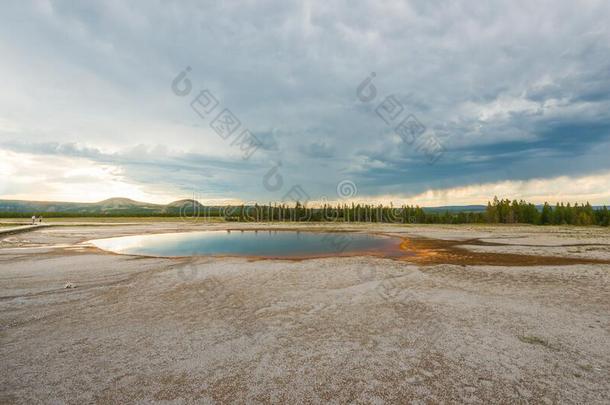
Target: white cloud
[
  {"x": 530, "y": 77},
  {"x": 55, "y": 178},
  {"x": 594, "y": 189}
]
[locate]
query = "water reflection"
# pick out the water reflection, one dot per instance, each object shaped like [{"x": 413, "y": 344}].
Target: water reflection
[{"x": 271, "y": 243}]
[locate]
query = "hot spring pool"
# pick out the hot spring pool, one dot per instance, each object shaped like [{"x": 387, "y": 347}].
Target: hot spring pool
[{"x": 254, "y": 243}]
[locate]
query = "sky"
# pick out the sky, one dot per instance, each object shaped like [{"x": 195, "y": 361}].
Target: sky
[{"x": 418, "y": 102}]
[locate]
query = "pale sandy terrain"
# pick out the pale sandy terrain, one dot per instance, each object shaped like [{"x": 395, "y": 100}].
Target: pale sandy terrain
[{"x": 339, "y": 330}]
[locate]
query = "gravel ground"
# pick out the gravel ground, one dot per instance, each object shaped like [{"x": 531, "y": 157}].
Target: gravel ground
[{"x": 340, "y": 330}]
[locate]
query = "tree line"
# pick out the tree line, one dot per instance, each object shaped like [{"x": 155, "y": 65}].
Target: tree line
[
  {"x": 498, "y": 211},
  {"x": 507, "y": 212}
]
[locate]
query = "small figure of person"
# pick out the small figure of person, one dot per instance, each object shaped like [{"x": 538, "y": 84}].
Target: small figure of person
[
  {"x": 33, "y": 219},
  {"x": 40, "y": 219}
]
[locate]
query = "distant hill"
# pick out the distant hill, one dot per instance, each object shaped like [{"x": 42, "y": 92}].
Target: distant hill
[
  {"x": 109, "y": 207},
  {"x": 186, "y": 207},
  {"x": 126, "y": 206},
  {"x": 475, "y": 208},
  {"x": 456, "y": 208}
]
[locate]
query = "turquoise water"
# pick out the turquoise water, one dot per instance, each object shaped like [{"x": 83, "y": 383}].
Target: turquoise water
[{"x": 267, "y": 243}]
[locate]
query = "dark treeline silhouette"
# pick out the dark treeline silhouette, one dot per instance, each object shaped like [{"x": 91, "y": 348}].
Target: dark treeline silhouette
[
  {"x": 507, "y": 212},
  {"x": 498, "y": 211}
]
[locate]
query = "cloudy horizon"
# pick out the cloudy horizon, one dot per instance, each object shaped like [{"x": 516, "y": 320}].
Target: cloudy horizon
[{"x": 507, "y": 99}]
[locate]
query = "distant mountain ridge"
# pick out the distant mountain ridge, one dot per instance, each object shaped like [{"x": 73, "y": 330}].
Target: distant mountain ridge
[
  {"x": 456, "y": 208},
  {"x": 111, "y": 206},
  {"x": 126, "y": 206}
]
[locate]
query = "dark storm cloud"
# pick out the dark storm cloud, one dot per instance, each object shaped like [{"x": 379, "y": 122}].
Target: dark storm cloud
[{"x": 512, "y": 89}]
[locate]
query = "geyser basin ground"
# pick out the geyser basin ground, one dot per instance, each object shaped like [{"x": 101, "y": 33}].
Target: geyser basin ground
[
  {"x": 346, "y": 329},
  {"x": 298, "y": 244},
  {"x": 253, "y": 243}
]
